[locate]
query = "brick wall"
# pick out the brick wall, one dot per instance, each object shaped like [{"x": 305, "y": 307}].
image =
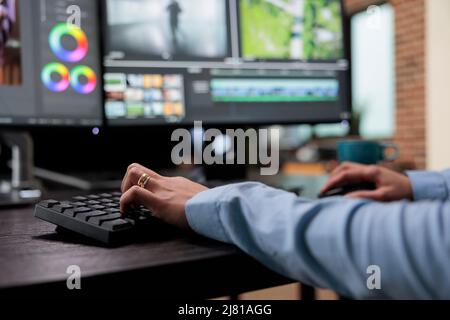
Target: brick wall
[{"x": 410, "y": 72}]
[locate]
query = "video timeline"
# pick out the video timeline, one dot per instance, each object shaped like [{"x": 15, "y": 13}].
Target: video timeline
[{"x": 276, "y": 90}]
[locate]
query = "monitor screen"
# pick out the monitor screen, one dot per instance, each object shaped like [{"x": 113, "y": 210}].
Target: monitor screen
[
  {"x": 224, "y": 61},
  {"x": 50, "y": 70}
]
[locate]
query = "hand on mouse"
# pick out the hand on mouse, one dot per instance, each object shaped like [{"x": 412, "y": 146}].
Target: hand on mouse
[
  {"x": 165, "y": 197},
  {"x": 390, "y": 185}
]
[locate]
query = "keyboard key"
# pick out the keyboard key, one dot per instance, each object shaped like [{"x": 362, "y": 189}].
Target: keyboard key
[
  {"x": 98, "y": 207},
  {"x": 116, "y": 199},
  {"x": 106, "y": 195},
  {"x": 80, "y": 198},
  {"x": 99, "y": 220},
  {"x": 115, "y": 225},
  {"x": 112, "y": 205},
  {"x": 92, "y": 202},
  {"x": 93, "y": 197},
  {"x": 143, "y": 218},
  {"x": 105, "y": 200},
  {"x": 62, "y": 207},
  {"x": 116, "y": 194},
  {"x": 85, "y": 216},
  {"x": 112, "y": 210},
  {"x": 78, "y": 204},
  {"x": 76, "y": 211},
  {"x": 49, "y": 203}
]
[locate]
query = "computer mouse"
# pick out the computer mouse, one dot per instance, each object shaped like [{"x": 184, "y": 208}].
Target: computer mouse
[{"x": 348, "y": 188}]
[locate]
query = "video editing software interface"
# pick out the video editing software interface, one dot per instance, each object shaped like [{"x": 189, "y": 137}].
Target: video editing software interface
[
  {"x": 55, "y": 44},
  {"x": 172, "y": 61},
  {"x": 224, "y": 61}
]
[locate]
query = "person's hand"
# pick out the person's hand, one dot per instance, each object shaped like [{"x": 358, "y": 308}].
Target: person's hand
[
  {"x": 390, "y": 185},
  {"x": 165, "y": 197}
]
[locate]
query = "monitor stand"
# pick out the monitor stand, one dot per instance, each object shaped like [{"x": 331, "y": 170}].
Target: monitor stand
[{"x": 21, "y": 188}]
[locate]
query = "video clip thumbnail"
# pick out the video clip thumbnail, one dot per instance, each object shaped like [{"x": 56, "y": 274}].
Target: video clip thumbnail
[
  {"x": 291, "y": 29},
  {"x": 167, "y": 29}
]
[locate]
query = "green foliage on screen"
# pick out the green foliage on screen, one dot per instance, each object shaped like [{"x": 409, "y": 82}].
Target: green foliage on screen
[{"x": 267, "y": 29}]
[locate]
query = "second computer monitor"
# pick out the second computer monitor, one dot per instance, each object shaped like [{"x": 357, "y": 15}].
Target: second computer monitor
[
  {"x": 50, "y": 64},
  {"x": 224, "y": 61}
]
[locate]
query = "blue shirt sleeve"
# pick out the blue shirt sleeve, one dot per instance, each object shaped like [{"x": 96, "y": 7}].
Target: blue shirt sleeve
[
  {"x": 428, "y": 185},
  {"x": 333, "y": 242}
]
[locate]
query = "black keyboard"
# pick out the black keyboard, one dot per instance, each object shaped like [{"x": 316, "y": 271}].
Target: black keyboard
[{"x": 97, "y": 217}]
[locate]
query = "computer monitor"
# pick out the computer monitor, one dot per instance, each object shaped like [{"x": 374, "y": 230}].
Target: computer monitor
[
  {"x": 50, "y": 69},
  {"x": 224, "y": 62},
  {"x": 50, "y": 75}
]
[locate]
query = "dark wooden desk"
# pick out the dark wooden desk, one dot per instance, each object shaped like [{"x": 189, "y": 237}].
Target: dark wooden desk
[{"x": 34, "y": 260}]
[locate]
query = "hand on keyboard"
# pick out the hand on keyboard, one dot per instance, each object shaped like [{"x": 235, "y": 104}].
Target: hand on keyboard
[
  {"x": 165, "y": 197},
  {"x": 113, "y": 218}
]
